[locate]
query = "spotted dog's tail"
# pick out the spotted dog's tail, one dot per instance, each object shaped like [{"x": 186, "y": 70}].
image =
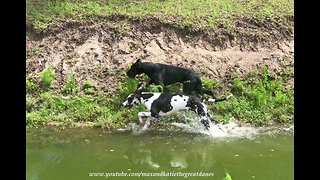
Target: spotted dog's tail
[{"x": 217, "y": 100}]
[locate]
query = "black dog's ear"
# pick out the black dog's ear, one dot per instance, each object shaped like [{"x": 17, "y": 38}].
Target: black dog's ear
[{"x": 139, "y": 63}]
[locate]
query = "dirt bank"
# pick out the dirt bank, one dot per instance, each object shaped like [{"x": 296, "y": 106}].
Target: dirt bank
[{"x": 101, "y": 52}]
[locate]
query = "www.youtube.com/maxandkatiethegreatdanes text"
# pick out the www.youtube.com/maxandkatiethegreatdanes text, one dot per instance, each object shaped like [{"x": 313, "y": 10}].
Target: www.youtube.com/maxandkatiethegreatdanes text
[{"x": 149, "y": 174}]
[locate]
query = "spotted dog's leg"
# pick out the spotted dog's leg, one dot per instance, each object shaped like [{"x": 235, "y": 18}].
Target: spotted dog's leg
[
  {"x": 214, "y": 122},
  {"x": 202, "y": 112},
  {"x": 143, "y": 114},
  {"x": 205, "y": 122},
  {"x": 146, "y": 125}
]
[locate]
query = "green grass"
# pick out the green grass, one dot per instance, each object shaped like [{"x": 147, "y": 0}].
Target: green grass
[
  {"x": 78, "y": 107},
  {"x": 228, "y": 177},
  {"x": 198, "y": 14},
  {"x": 70, "y": 110},
  {"x": 259, "y": 99}
]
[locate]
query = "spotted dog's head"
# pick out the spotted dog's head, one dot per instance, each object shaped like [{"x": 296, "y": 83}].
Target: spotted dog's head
[
  {"x": 135, "y": 69},
  {"x": 134, "y": 99}
]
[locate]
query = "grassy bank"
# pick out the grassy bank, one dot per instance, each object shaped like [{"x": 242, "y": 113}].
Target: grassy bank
[
  {"x": 197, "y": 14},
  {"x": 77, "y": 104},
  {"x": 259, "y": 99}
]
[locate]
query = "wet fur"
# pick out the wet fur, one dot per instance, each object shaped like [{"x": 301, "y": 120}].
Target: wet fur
[{"x": 163, "y": 104}]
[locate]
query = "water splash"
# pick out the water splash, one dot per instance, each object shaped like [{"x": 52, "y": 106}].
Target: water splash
[
  {"x": 134, "y": 128},
  {"x": 231, "y": 129}
]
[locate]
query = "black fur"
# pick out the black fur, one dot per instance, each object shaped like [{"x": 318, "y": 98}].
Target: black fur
[
  {"x": 162, "y": 74},
  {"x": 161, "y": 104}
]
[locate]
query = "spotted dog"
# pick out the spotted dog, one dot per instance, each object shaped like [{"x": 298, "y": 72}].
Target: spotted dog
[
  {"x": 163, "y": 104},
  {"x": 162, "y": 74}
]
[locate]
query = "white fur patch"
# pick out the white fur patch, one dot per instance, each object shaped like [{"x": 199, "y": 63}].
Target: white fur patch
[
  {"x": 177, "y": 103},
  {"x": 149, "y": 101}
]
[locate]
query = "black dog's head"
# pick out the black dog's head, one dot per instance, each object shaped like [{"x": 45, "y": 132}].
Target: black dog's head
[{"x": 135, "y": 69}]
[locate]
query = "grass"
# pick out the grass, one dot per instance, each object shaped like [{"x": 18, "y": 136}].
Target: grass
[
  {"x": 198, "y": 14},
  {"x": 72, "y": 108},
  {"x": 259, "y": 99},
  {"x": 228, "y": 177}
]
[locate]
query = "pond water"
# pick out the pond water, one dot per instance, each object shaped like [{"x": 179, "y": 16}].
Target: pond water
[{"x": 100, "y": 154}]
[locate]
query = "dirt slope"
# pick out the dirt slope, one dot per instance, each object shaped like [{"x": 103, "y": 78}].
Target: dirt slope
[{"x": 100, "y": 52}]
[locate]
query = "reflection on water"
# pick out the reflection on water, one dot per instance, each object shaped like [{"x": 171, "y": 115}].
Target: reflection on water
[{"x": 73, "y": 154}]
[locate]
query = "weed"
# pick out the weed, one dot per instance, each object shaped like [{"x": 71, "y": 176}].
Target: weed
[
  {"x": 131, "y": 86},
  {"x": 259, "y": 98},
  {"x": 134, "y": 46},
  {"x": 70, "y": 84},
  {"x": 30, "y": 86},
  {"x": 89, "y": 91},
  {"x": 210, "y": 84},
  {"x": 238, "y": 87},
  {"x": 228, "y": 177},
  {"x": 157, "y": 88},
  {"x": 47, "y": 77},
  {"x": 38, "y": 50},
  {"x": 87, "y": 87}
]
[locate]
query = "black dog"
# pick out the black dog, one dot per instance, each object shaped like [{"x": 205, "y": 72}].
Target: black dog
[{"x": 162, "y": 74}]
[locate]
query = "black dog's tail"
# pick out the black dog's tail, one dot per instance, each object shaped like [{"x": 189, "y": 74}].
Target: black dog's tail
[
  {"x": 210, "y": 93},
  {"x": 217, "y": 100}
]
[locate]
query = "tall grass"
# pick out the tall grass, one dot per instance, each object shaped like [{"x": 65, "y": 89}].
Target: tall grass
[{"x": 259, "y": 99}]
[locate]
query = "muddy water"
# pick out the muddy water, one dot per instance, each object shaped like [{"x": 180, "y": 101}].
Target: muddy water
[{"x": 96, "y": 154}]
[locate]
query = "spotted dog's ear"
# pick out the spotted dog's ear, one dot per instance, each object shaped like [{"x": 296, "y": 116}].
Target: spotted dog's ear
[
  {"x": 139, "y": 87},
  {"x": 139, "y": 90}
]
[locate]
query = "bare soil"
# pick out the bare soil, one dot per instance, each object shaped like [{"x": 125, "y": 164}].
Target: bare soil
[{"x": 101, "y": 52}]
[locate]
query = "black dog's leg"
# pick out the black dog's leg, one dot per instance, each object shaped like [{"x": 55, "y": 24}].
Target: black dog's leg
[
  {"x": 165, "y": 89},
  {"x": 187, "y": 88},
  {"x": 149, "y": 83},
  {"x": 196, "y": 85}
]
